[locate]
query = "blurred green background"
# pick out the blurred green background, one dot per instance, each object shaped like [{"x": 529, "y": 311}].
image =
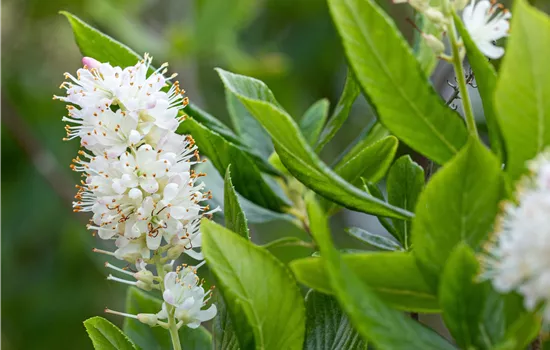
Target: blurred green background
[{"x": 51, "y": 281}]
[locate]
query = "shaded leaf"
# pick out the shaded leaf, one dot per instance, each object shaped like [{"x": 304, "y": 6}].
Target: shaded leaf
[
  {"x": 234, "y": 215},
  {"x": 374, "y": 240},
  {"x": 327, "y": 326},
  {"x": 313, "y": 120}
]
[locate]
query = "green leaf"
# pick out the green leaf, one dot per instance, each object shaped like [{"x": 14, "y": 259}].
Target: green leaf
[
  {"x": 391, "y": 77},
  {"x": 369, "y": 162},
  {"x": 521, "y": 333},
  {"x": 404, "y": 183},
  {"x": 457, "y": 205},
  {"x": 246, "y": 176},
  {"x": 393, "y": 276},
  {"x": 225, "y": 337},
  {"x": 340, "y": 113},
  {"x": 295, "y": 152},
  {"x": 288, "y": 241},
  {"x": 374, "y": 240},
  {"x": 234, "y": 215},
  {"x": 107, "y": 336},
  {"x": 372, "y": 318},
  {"x": 522, "y": 95},
  {"x": 422, "y": 51},
  {"x": 251, "y": 132},
  {"x": 146, "y": 337},
  {"x": 273, "y": 306},
  {"x": 461, "y": 297},
  {"x": 327, "y": 326},
  {"x": 374, "y": 190},
  {"x": 313, "y": 120}
]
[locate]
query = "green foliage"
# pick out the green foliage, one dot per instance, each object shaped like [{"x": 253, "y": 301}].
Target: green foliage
[
  {"x": 146, "y": 337},
  {"x": 294, "y": 151},
  {"x": 457, "y": 205},
  {"x": 391, "y": 77},
  {"x": 404, "y": 184},
  {"x": 373, "y": 319},
  {"x": 486, "y": 80},
  {"x": 522, "y": 95},
  {"x": 327, "y": 326},
  {"x": 374, "y": 240},
  {"x": 313, "y": 120},
  {"x": 461, "y": 297},
  {"x": 393, "y": 276},
  {"x": 107, "y": 336},
  {"x": 222, "y": 153},
  {"x": 422, "y": 51},
  {"x": 234, "y": 215},
  {"x": 225, "y": 337},
  {"x": 341, "y": 111},
  {"x": 277, "y": 318}
]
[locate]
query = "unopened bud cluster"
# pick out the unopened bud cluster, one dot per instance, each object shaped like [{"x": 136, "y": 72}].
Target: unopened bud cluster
[{"x": 137, "y": 178}]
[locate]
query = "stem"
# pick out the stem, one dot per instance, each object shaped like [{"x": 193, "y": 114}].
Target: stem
[
  {"x": 172, "y": 324},
  {"x": 459, "y": 71}
]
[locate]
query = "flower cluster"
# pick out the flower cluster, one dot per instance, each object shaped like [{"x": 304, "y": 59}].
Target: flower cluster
[
  {"x": 518, "y": 257},
  {"x": 138, "y": 181},
  {"x": 486, "y": 21}
]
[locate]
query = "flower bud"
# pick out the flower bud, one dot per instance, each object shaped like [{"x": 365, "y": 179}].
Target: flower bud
[
  {"x": 419, "y": 5},
  {"x": 174, "y": 253},
  {"x": 435, "y": 16},
  {"x": 145, "y": 286},
  {"x": 434, "y": 43},
  {"x": 144, "y": 276},
  {"x": 148, "y": 319},
  {"x": 91, "y": 63}
]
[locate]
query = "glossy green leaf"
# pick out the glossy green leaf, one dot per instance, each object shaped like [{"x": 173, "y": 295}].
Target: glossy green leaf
[
  {"x": 377, "y": 241},
  {"x": 107, "y": 336},
  {"x": 246, "y": 176},
  {"x": 404, "y": 183},
  {"x": 391, "y": 77},
  {"x": 327, "y": 326},
  {"x": 393, "y": 276},
  {"x": 486, "y": 80},
  {"x": 288, "y": 242},
  {"x": 277, "y": 318},
  {"x": 251, "y": 132},
  {"x": 461, "y": 297},
  {"x": 296, "y": 154},
  {"x": 225, "y": 337},
  {"x": 373, "y": 319},
  {"x": 458, "y": 204},
  {"x": 522, "y": 95},
  {"x": 234, "y": 215},
  {"x": 340, "y": 113},
  {"x": 146, "y": 337},
  {"x": 313, "y": 120}
]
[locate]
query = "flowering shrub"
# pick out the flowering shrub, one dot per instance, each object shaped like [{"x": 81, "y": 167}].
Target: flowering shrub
[{"x": 460, "y": 243}]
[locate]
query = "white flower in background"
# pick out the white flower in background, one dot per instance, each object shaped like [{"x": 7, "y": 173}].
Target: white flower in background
[
  {"x": 184, "y": 291},
  {"x": 519, "y": 258},
  {"x": 487, "y": 22}
]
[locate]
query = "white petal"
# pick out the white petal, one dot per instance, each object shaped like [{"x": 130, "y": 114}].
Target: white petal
[
  {"x": 153, "y": 241},
  {"x": 205, "y": 315},
  {"x": 149, "y": 184},
  {"x": 170, "y": 191}
]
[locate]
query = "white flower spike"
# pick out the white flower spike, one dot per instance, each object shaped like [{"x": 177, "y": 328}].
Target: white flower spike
[
  {"x": 519, "y": 257},
  {"x": 486, "y": 22},
  {"x": 185, "y": 293}
]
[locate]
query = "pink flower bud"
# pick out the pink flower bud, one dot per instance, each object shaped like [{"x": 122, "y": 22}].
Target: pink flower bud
[{"x": 90, "y": 63}]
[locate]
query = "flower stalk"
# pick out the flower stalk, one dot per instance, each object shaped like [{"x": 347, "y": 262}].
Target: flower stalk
[{"x": 172, "y": 322}]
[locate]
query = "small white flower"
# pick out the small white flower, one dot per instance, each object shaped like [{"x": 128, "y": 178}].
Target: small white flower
[
  {"x": 519, "y": 258},
  {"x": 185, "y": 293},
  {"x": 486, "y": 23}
]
